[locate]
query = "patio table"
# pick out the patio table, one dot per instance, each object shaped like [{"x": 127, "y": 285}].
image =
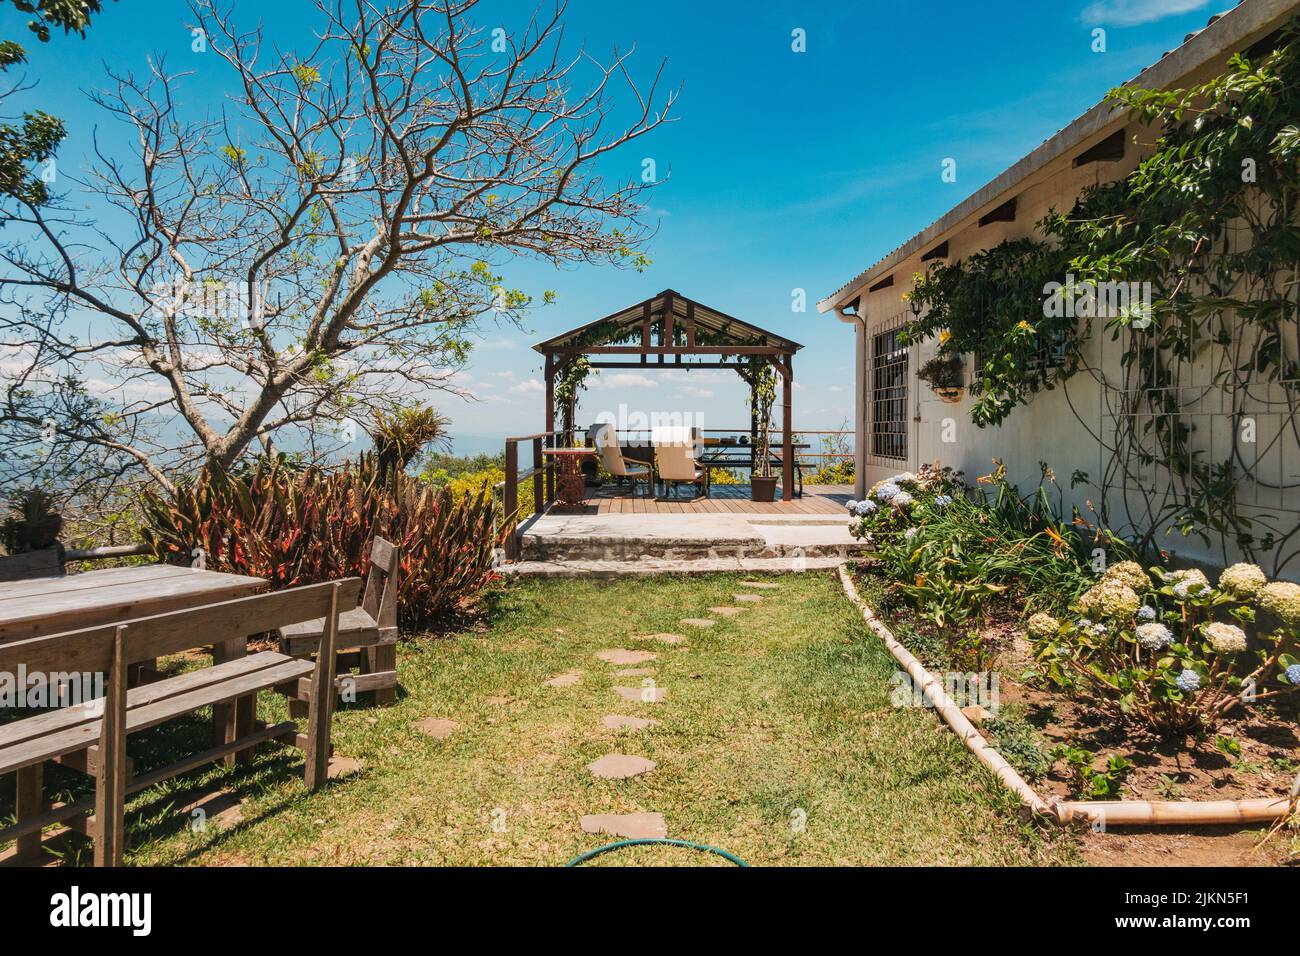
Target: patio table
[
  {"x": 39, "y": 606},
  {"x": 49, "y": 605}
]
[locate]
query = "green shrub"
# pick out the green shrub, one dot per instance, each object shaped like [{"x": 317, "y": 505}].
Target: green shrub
[
  {"x": 1020, "y": 743},
  {"x": 1171, "y": 652}
]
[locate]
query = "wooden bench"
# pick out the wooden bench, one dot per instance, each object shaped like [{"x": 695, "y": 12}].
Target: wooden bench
[
  {"x": 367, "y": 637},
  {"x": 91, "y": 737}
]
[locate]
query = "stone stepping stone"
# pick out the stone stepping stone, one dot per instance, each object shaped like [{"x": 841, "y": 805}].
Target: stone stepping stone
[
  {"x": 564, "y": 680},
  {"x": 759, "y": 585},
  {"x": 665, "y": 638},
  {"x": 634, "y": 672},
  {"x": 221, "y": 808},
  {"x": 653, "y": 695},
  {"x": 436, "y": 727},
  {"x": 342, "y": 766},
  {"x": 620, "y": 766},
  {"x": 699, "y": 621},
  {"x": 748, "y": 598},
  {"x": 622, "y": 722},
  {"x": 620, "y": 656},
  {"x": 726, "y": 611},
  {"x": 632, "y": 826}
]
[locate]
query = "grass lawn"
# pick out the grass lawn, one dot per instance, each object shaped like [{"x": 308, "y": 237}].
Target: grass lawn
[{"x": 785, "y": 708}]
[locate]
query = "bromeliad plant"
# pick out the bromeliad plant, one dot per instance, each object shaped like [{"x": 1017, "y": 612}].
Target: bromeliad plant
[
  {"x": 1170, "y": 652},
  {"x": 299, "y": 526}
]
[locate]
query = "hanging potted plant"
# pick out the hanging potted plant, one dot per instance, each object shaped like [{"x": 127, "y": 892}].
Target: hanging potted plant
[
  {"x": 944, "y": 373},
  {"x": 762, "y": 396}
]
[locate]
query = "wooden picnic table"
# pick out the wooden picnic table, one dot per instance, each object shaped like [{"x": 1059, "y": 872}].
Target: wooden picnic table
[
  {"x": 39, "y": 606},
  {"x": 35, "y": 607}
]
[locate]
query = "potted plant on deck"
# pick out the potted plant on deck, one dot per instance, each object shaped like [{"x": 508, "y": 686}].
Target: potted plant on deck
[{"x": 762, "y": 395}]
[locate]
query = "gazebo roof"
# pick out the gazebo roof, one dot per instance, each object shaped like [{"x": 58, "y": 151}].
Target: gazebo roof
[{"x": 668, "y": 324}]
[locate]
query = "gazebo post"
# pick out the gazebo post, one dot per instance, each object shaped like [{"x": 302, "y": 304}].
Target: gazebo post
[
  {"x": 786, "y": 365},
  {"x": 550, "y": 424}
]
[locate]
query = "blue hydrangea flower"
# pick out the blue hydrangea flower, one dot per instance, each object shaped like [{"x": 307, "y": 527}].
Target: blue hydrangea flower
[
  {"x": 1189, "y": 682},
  {"x": 887, "y": 491},
  {"x": 852, "y": 505},
  {"x": 1293, "y": 674},
  {"x": 901, "y": 500},
  {"x": 866, "y": 507},
  {"x": 1146, "y": 613},
  {"x": 942, "y": 501}
]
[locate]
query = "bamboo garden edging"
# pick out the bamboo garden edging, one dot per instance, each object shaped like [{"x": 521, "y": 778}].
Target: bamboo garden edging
[{"x": 1065, "y": 812}]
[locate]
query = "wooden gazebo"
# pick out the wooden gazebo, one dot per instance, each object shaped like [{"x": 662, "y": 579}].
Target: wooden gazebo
[{"x": 672, "y": 331}]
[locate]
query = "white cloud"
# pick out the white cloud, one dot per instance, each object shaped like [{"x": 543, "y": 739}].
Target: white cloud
[
  {"x": 624, "y": 380},
  {"x": 506, "y": 374},
  {"x": 527, "y": 386},
  {"x": 1128, "y": 13}
]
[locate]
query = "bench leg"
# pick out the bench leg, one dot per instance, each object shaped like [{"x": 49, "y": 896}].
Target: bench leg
[
  {"x": 383, "y": 657},
  {"x": 233, "y": 720},
  {"x": 29, "y": 803}
]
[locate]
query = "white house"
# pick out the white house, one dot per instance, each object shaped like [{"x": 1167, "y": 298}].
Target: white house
[{"x": 902, "y": 423}]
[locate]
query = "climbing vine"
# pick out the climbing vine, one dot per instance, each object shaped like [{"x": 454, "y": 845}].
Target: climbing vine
[{"x": 1205, "y": 230}]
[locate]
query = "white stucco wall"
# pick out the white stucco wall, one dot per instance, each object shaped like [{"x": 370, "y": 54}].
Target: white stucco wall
[{"x": 1062, "y": 427}]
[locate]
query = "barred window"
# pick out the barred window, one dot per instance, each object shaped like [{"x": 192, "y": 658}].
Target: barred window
[{"x": 888, "y": 396}]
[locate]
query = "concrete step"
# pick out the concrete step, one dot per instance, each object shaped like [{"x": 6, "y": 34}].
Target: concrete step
[
  {"x": 708, "y": 537},
  {"x": 653, "y": 566}
]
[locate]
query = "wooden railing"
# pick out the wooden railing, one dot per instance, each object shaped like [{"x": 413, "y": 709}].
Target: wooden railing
[{"x": 542, "y": 473}]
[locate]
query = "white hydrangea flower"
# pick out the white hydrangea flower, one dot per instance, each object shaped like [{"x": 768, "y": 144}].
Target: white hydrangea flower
[
  {"x": 887, "y": 491},
  {"x": 1154, "y": 636},
  {"x": 1225, "y": 638}
]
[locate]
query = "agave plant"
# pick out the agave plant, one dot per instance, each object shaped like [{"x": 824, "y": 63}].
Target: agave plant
[{"x": 34, "y": 522}]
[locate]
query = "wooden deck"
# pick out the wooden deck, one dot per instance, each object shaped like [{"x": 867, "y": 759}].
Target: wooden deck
[{"x": 723, "y": 499}]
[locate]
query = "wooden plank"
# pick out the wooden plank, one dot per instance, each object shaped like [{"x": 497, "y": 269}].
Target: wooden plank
[
  {"x": 175, "y": 631},
  {"x": 83, "y": 735},
  {"x": 29, "y": 803},
  {"x": 107, "y": 577},
  {"x": 56, "y": 720},
  {"x": 50, "y": 613}
]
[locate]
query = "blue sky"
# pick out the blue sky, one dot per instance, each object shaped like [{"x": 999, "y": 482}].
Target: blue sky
[{"x": 784, "y": 170}]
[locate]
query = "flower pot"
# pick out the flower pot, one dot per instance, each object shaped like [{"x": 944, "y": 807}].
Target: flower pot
[
  {"x": 762, "y": 489},
  {"x": 950, "y": 395}
]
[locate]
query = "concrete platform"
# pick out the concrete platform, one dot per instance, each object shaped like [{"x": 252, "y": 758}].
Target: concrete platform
[{"x": 607, "y": 544}]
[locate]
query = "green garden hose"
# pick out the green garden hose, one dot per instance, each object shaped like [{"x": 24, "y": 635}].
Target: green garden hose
[{"x": 584, "y": 857}]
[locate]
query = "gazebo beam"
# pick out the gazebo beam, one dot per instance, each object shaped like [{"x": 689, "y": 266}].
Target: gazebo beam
[{"x": 698, "y": 350}]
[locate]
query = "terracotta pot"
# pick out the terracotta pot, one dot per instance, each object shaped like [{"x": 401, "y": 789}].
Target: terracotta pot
[
  {"x": 950, "y": 395},
  {"x": 762, "y": 489}
]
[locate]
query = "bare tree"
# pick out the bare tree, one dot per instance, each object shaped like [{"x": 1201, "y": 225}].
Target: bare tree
[{"x": 329, "y": 239}]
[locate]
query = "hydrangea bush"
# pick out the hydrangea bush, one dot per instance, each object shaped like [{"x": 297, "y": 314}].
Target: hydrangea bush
[{"x": 1171, "y": 651}]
